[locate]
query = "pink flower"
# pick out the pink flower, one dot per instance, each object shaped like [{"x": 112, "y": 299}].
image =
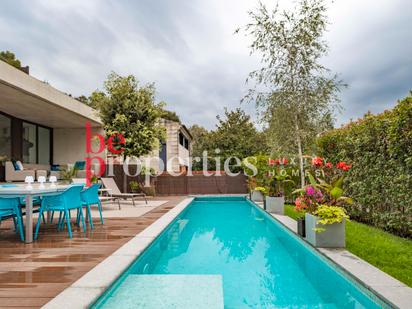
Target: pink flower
[
  {"x": 310, "y": 190},
  {"x": 300, "y": 204}
]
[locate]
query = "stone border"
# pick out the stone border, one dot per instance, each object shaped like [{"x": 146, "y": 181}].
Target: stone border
[{"x": 85, "y": 291}]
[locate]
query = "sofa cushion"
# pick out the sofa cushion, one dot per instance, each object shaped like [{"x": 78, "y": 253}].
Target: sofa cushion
[
  {"x": 55, "y": 167},
  {"x": 19, "y": 165},
  {"x": 80, "y": 165},
  {"x": 16, "y": 167}
]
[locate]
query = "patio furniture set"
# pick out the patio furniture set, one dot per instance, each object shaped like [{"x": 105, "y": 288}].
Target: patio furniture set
[{"x": 18, "y": 200}]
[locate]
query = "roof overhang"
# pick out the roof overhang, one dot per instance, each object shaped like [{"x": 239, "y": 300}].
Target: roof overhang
[
  {"x": 28, "y": 98},
  {"x": 186, "y": 130}
]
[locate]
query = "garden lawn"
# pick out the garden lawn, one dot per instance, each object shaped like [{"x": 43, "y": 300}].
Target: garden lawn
[{"x": 391, "y": 254}]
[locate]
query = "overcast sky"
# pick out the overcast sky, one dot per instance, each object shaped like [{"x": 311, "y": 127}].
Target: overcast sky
[{"x": 189, "y": 50}]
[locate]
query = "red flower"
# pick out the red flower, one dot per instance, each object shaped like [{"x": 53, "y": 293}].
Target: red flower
[
  {"x": 300, "y": 204},
  {"x": 328, "y": 165},
  {"x": 284, "y": 161},
  {"x": 340, "y": 165},
  {"x": 343, "y": 166},
  {"x": 317, "y": 161},
  {"x": 277, "y": 161},
  {"x": 271, "y": 162}
]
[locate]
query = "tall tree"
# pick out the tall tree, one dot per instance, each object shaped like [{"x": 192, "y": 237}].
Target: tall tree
[
  {"x": 200, "y": 143},
  {"x": 130, "y": 109},
  {"x": 236, "y": 135},
  {"x": 301, "y": 92}
]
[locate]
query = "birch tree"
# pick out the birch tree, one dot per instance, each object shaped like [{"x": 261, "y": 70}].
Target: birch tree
[{"x": 299, "y": 93}]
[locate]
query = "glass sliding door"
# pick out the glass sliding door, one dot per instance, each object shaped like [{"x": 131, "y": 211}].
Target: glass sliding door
[
  {"x": 44, "y": 145},
  {"x": 29, "y": 143},
  {"x": 5, "y": 137}
]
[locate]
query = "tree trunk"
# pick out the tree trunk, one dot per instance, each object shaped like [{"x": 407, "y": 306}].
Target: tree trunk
[{"x": 302, "y": 170}]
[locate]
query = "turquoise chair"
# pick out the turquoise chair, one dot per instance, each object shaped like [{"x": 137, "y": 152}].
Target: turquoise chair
[
  {"x": 9, "y": 207},
  {"x": 63, "y": 203},
  {"x": 90, "y": 196},
  {"x": 36, "y": 202}
]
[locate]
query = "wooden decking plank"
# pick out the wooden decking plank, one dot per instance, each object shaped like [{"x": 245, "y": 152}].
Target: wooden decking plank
[{"x": 32, "y": 274}]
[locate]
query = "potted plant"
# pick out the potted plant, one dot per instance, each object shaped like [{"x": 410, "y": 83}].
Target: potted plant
[
  {"x": 134, "y": 186},
  {"x": 326, "y": 226},
  {"x": 324, "y": 215},
  {"x": 256, "y": 176},
  {"x": 300, "y": 206},
  {"x": 68, "y": 174},
  {"x": 275, "y": 200},
  {"x": 258, "y": 194}
]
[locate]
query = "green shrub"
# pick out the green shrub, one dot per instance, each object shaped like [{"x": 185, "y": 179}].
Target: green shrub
[{"x": 380, "y": 181}]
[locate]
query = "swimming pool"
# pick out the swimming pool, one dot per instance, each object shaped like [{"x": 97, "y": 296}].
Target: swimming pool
[{"x": 228, "y": 250}]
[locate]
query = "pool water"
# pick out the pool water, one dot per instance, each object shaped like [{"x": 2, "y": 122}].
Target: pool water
[{"x": 255, "y": 260}]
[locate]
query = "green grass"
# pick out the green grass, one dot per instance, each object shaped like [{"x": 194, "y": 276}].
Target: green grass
[{"x": 389, "y": 253}]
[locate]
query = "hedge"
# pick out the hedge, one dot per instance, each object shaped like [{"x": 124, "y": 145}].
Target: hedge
[{"x": 380, "y": 181}]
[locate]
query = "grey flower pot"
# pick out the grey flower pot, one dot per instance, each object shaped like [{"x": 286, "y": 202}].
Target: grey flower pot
[
  {"x": 301, "y": 227},
  {"x": 275, "y": 204},
  {"x": 332, "y": 237},
  {"x": 257, "y": 196}
]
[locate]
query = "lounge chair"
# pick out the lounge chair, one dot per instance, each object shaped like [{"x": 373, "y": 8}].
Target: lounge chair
[{"x": 115, "y": 192}]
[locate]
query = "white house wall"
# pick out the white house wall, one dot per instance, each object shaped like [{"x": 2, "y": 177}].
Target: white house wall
[{"x": 69, "y": 145}]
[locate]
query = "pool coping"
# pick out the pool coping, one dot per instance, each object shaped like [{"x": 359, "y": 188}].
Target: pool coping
[
  {"x": 389, "y": 289},
  {"x": 86, "y": 290}
]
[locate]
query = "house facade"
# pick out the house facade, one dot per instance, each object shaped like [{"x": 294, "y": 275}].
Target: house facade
[
  {"x": 176, "y": 151},
  {"x": 41, "y": 126}
]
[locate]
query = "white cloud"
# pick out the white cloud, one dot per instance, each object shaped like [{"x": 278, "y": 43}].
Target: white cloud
[{"x": 189, "y": 50}]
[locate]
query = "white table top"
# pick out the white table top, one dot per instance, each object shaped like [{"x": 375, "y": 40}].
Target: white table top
[{"x": 36, "y": 189}]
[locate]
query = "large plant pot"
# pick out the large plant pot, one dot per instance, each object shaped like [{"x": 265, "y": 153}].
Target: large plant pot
[
  {"x": 332, "y": 237},
  {"x": 275, "y": 204},
  {"x": 2, "y": 173},
  {"x": 257, "y": 196},
  {"x": 301, "y": 227}
]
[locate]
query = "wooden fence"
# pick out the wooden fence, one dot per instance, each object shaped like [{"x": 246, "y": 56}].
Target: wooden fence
[{"x": 200, "y": 184}]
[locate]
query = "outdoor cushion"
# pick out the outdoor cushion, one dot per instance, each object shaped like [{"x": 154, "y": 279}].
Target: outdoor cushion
[
  {"x": 20, "y": 165},
  {"x": 55, "y": 167},
  {"x": 79, "y": 165},
  {"x": 16, "y": 167}
]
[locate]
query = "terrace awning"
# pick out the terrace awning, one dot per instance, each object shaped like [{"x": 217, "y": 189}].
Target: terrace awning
[{"x": 28, "y": 98}]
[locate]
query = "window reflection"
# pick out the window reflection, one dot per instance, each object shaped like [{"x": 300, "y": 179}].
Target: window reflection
[
  {"x": 5, "y": 137},
  {"x": 29, "y": 143}
]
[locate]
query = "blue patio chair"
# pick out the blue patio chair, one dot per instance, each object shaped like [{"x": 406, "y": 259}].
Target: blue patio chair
[
  {"x": 9, "y": 207},
  {"x": 63, "y": 203},
  {"x": 90, "y": 196},
  {"x": 36, "y": 202}
]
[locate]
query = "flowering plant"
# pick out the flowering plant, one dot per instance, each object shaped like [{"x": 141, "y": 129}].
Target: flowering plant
[
  {"x": 277, "y": 177},
  {"x": 323, "y": 197},
  {"x": 309, "y": 198},
  {"x": 263, "y": 190}
]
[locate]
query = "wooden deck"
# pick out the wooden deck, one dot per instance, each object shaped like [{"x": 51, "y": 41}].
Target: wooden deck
[{"x": 32, "y": 274}]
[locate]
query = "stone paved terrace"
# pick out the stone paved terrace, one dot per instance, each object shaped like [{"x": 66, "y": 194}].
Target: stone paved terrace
[{"x": 33, "y": 274}]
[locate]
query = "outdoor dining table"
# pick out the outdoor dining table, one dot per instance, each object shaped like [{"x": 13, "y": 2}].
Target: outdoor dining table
[{"x": 23, "y": 190}]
